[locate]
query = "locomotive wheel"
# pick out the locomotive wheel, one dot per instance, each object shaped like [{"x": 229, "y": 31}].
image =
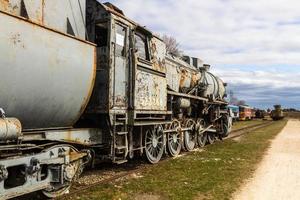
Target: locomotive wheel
[
  {"x": 174, "y": 139},
  {"x": 211, "y": 138},
  {"x": 190, "y": 136},
  {"x": 56, "y": 192},
  {"x": 154, "y": 144},
  {"x": 201, "y": 136},
  {"x": 71, "y": 172},
  {"x": 227, "y": 122},
  {"x": 226, "y": 130}
]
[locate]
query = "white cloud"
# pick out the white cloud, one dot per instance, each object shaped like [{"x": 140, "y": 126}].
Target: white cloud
[
  {"x": 259, "y": 79},
  {"x": 261, "y": 32},
  {"x": 263, "y": 88},
  {"x": 240, "y": 33}
]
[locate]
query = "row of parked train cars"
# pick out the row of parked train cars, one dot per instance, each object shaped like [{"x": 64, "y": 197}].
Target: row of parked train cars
[{"x": 243, "y": 113}]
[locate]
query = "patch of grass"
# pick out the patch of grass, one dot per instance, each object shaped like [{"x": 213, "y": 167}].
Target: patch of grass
[
  {"x": 243, "y": 124},
  {"x": 214, "y": 173},
  {"x": 294, "y": 115}
]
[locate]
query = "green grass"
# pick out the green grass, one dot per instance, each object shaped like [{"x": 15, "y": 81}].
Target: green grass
[
  {"x": 214, "y": 173},
  {"x": 243, "y": 124}
]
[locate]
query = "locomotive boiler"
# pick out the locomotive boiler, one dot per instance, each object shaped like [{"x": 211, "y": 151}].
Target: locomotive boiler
[{"x": 83, "y": 83}]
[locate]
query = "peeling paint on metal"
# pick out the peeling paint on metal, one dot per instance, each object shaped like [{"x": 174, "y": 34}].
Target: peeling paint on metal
[{"x": 150, "y": 92}]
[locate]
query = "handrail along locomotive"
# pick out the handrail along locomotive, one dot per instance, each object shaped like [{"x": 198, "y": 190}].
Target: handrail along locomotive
[{"x": 81, "y": 82}]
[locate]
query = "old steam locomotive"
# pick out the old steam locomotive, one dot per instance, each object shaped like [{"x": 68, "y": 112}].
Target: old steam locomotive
[{"x": 81, "y": 82}]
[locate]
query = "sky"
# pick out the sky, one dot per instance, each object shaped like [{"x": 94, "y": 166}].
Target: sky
[{"x": 254, "y": 46}]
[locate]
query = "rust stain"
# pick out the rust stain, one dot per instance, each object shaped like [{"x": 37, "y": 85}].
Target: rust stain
[
  {"x": 149, "y": 95},
  {"x": 4, "y": 5},
  {"x": 183, "y": 77},
  {"x": 7, "y": 6},
  {"x": 195, "y": 79},
  {"x": 76, "y": 155},
  {"x": 157, "y": 59}
]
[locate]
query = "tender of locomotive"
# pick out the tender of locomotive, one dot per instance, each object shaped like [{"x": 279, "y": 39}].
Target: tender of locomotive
[{"x": 85, "y": 83}]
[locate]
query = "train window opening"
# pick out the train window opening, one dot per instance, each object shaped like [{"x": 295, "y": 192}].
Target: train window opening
[
  {"x": 141, "y": 46},
  {"x": 101, "y": 35},
  {"x": 44, "y": 172},
  {"x": 120, "y": 40},
  {"x": 16, "y": 177}
]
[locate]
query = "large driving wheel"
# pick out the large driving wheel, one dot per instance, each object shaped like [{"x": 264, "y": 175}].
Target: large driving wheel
[
  {"x": 227, "y": 125},
  {"x": 154, "y": 144},
  {"x": 174, "y": 139},
  {"x": 211, "y": 138},
  {"x": 190, "y": 136},
  {"x": 201, "y": 135}
]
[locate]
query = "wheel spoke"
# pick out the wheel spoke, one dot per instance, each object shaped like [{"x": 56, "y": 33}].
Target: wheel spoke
[
  {"x": 149, "y": 147},
  {"x": 159, "y": 137},
  {"x": 155, "y": 139},
  {"x": 189, "y": 135}
]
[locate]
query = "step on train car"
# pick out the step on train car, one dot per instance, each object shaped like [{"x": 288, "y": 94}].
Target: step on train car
[{"x": 80, "y": 82}]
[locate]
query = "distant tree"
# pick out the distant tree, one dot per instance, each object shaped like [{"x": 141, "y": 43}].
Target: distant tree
[{"x": 172, "y": 45}]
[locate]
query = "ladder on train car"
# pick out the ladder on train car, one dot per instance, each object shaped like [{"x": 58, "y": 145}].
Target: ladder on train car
[{"x": 120, "y": 139}]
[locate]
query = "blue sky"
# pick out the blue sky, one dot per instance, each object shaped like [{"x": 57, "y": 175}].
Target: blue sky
[{"x": 253, "y": 45}]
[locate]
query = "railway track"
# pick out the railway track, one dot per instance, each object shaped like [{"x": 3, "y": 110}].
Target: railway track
[
  {"x": 241, "y": 131},
  {"x": 131, "y": 169}
]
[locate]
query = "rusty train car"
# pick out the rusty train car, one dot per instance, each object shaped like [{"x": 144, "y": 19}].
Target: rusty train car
[
  {"x": 80, "y": 83},
  {"x": 277, "y": 113}
]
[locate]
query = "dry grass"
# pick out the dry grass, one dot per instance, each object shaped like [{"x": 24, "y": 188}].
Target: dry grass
[{"x": 295, "y": 115}]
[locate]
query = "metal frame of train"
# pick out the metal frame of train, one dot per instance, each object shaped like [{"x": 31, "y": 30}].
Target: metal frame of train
[{"x": 80, "y": 83}]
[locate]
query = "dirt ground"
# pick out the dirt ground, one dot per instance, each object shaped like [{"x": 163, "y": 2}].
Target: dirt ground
[{"x": 278, "y": 175}]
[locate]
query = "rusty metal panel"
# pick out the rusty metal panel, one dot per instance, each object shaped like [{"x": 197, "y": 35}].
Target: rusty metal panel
[
  {"x": 150, "y": 92},
  {"x": 173, "y": 76},
  {"x": 180, "y": 75},
  {"x": 56, "y": 13},
  {"x": 121, "y": 67},
  {"x": 51, "y": 13},
  {"x": 35, "y": 10},
  {"x": 158, "y": 52},
  {"x": 11, "y": 6},
  {"x": 46, "y": 77}
]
